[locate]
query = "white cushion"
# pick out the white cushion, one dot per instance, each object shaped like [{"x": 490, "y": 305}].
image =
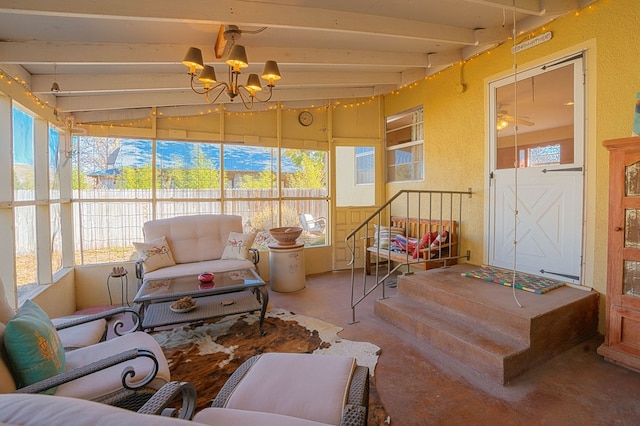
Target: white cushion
[
  {"x": 230, "y": 417},
  {"x": 312, "y": 387},
  {"x": 194, "y": 238},
  {"x": 196, "y": 268},
  {"x": 37, "y": 410},
  {"x": 80, "y": 335},
  {"x": 105, "y": 382}
]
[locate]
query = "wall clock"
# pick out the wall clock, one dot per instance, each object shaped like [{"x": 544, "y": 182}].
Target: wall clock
[{"x": 305, "y": 118}]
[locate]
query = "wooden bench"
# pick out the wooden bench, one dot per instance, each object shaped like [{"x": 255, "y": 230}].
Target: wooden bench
[{"x": 415, "y": 228}]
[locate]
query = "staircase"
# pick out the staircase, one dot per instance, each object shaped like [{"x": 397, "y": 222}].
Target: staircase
[{"x": 479, "y": 326}]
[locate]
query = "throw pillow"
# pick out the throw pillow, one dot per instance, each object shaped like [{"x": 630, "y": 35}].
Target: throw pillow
[
  {"x": 238, "y": 246},
  {"x": 155, "y": 254},
  {"x": 33, "y": 346},
  {"x": 385, "y": 234}
]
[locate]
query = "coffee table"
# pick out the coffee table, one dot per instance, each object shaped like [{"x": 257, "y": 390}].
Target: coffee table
[{"x": 232, "y": 292}]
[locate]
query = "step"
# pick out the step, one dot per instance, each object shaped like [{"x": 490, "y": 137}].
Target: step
[
  {"x": 462, "y": 298},
  {"x": 485, "y": 350},
  {"x": 482, "y": 326}
]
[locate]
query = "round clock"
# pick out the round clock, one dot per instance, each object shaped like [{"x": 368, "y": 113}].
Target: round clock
[{"x": 305, "y": 118}]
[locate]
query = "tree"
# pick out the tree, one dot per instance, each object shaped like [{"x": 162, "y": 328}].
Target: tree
[
  {"x": 262, "y": 180},
  {"x": 310, "y": 169}
]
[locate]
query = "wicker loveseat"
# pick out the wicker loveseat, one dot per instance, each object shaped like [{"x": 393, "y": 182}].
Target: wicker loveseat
[{"x": 194, "y": 244}]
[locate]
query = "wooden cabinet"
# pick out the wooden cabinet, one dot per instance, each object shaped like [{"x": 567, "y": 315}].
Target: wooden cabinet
[{"x": 622, "y": 338}]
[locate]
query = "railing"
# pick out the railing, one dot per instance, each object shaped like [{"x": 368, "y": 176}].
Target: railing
[{"x": 416, "y": 207}]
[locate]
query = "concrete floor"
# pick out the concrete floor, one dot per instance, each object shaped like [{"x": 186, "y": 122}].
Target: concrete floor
[{"x": 418, "y": 388}]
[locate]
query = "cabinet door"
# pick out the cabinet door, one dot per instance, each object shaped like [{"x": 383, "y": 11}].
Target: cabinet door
[{"x": 624, "y": 249}]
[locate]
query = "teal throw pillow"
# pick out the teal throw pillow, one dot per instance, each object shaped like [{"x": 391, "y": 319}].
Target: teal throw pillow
[{"x": 33, "y": 346}]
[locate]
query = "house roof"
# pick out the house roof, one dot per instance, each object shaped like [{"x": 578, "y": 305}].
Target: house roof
[{"x": 117, "y": 59}]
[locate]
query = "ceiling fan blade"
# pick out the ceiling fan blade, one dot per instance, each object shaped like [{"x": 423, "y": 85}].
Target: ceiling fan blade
[
  {"x": 518, "y": 120},
  {"x": 221, "y": 43}
]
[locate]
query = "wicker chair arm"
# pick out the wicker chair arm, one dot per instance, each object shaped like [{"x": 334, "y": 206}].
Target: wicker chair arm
[
  {"x": 255, "y": 256},
  {"x": 94, "y": 367},
  {"x": 356, "y": 410},
  {"x": 117, "y": 325},
  {"x": 139, "y": 269},
  {"x": 354, "y": 415},
  {"x": 158, "y": 404}
]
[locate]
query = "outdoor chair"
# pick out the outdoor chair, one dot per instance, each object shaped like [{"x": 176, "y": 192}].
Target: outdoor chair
[
  {"x": 77, "y": 331},
  {"x": 33, "y": 360},
  {"x": 312, "y": 225}
]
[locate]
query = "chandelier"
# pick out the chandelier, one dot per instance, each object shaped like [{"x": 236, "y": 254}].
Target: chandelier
[{"x": 237, "y": 59}]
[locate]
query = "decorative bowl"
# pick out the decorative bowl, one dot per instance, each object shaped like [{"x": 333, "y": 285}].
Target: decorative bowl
[
  {"x": 287, "y": 235},
  {"x": 205, "y": 277}
]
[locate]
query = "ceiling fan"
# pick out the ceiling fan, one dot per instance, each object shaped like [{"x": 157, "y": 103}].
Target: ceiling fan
[
  {"x": 231, "y": 33},
  {"x": 504, "y": 119}
]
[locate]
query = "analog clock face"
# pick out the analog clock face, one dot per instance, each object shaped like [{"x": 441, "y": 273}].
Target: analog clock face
[{"x": 305, "y": 118}]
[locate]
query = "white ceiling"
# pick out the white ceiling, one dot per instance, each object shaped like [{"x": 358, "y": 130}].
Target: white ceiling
[{"x": 113, "y": 58}]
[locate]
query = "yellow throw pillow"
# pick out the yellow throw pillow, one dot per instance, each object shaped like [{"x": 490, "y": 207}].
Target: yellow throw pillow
[{"x": 155, "y": 254}]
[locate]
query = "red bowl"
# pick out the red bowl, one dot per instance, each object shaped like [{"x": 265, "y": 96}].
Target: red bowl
[{"x": 205, "y": 277}]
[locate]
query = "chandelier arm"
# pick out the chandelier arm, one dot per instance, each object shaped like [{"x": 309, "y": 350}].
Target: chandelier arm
[
  {"x": 223, "y": 88},
  {"x": 242, "y": 91},
  {"x": 268, "y": 97},
  {"x": 195, "y": 89}
]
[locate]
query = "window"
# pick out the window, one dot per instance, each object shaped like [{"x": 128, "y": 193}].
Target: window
[
  {"x": 365, "y": 165},
  {"x": 405, "y": 140},
  {"x": 117, "y": 189}
]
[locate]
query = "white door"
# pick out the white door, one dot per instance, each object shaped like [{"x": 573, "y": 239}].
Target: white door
[{"x": 537, "y": 144}]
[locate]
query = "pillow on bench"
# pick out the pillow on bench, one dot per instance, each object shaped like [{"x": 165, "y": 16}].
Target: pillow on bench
[{"x": 382, "y": 237}]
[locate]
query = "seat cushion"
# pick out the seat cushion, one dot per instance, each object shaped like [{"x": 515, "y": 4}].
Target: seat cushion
[
  {"x": 230, "y": 417},
  {"x": 33, "y": 346},
  {"x": 36, "y": 410},
  {"x": 306, "y": 386},
  {"x": 104, "y": 383},
  {"x": 80, "y": 335},
  {"x": 196, "y": 268}
]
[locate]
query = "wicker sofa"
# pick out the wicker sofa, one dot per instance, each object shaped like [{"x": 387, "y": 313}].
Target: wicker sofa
[{"x": 195, "y": 244}]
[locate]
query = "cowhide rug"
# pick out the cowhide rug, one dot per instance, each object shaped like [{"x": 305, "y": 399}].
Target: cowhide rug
[{"x": 207, "y": 354}]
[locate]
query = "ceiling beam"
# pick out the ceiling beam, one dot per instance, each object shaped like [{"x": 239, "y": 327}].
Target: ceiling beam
[
  {"x": 532, "y": 7},
  {"x": 100, "y": 83},
  {"x": 187, "y": 97},
  {"x": 244, "y": 13},
  {"x": 73, "y": 53}
]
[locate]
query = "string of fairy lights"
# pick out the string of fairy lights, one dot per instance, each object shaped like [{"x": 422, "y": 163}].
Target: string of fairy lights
[{"x": 34, "y": 102}]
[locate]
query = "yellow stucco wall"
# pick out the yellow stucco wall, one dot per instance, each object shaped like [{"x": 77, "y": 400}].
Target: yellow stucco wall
[{"x": 456, "y": 136}]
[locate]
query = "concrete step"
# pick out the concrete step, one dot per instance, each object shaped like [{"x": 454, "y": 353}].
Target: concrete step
[{"x": 481, "y": 326}]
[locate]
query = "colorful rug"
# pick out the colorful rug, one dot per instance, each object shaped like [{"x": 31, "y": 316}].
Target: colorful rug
[
  {"x": 524, "y": 281},
  {"x": 207, "y": 354}
]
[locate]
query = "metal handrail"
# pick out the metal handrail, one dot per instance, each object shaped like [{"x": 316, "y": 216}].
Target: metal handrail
[{"x": 382, "y": 274}]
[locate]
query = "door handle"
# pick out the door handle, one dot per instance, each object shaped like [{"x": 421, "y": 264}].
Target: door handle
[{"x": 568, "y": 169}]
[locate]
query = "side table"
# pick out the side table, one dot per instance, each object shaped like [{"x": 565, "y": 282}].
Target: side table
[{"x": 121, "y": 273}]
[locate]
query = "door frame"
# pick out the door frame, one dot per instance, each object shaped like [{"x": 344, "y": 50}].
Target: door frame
[{"x": 580, "y": 131}]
